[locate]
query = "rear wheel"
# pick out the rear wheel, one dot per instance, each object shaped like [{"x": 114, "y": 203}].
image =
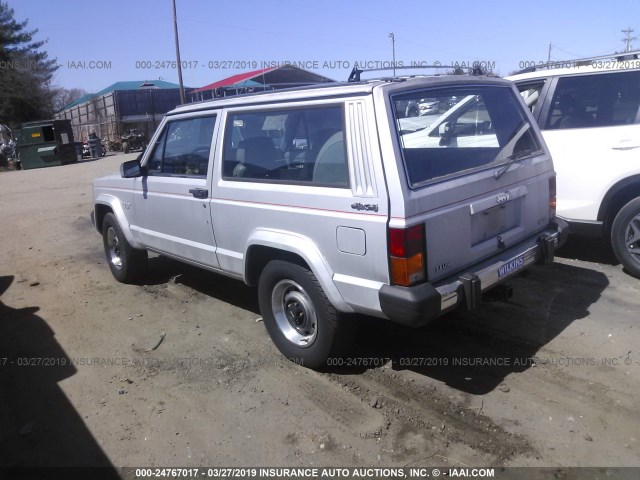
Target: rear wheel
[
  {"x": 301, "y": 321},
  {"x": 125, "y": 262},
  {"x": 625, "y": 237}
]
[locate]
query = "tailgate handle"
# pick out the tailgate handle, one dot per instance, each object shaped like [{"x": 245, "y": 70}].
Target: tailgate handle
[{"x": 199, "y": 192}]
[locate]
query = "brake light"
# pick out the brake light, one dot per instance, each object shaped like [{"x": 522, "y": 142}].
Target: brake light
[
  {"x": 552, "y": 197},
  {"x": 407, "y": 255}
]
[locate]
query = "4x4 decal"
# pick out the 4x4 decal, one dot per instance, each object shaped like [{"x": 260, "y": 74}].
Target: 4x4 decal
[{"x": 370, "y": 207}]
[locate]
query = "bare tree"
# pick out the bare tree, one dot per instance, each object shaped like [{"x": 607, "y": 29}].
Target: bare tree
[{"x": 61, "y": 97}]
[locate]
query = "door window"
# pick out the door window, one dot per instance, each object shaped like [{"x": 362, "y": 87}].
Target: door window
[
  {"x": 531, "y": 94},
  {"x": 183, "y": 148},
  {"x": 599, "y": 100}
]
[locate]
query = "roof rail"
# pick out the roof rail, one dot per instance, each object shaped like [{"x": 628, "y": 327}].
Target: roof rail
[
  {"x": 618, "y": 57},
  {"x": 354, "y": 76}
]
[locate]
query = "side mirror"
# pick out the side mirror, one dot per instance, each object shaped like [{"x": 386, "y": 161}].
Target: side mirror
[
  {"x": 131, "y": 169},
  {"x": 446, "y": 134}
]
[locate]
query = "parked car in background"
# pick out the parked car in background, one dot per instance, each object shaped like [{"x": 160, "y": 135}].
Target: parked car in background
[
  {"x": 428, "y": 106},
  {"x": 408, "y": 108},
  {"x": 590, "y": 119},
  {"x": 334, "y": 202}
]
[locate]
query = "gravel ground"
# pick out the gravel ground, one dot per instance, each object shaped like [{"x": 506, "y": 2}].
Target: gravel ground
[{"x": 178, "y": 371}]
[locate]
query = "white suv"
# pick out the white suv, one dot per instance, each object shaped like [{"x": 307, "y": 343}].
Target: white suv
[{"x": 590, "y": 119}]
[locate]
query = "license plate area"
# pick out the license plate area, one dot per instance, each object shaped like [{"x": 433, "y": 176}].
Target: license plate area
[
  {"x": 494, "y": 221},
  {"x": 511, "y": 266}
]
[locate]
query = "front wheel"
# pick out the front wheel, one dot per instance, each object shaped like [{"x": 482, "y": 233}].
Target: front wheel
[
  {"x": 125, "y": 262},
  {"x": 301, "y": 321},
  {"x": 625, "y": 237}
]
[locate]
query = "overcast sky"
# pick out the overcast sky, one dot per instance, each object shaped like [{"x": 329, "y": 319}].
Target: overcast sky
[{"x": 100, "y": 42}]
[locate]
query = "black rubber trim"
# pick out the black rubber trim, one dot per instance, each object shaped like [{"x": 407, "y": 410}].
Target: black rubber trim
[
  {"x": 586, "y": 229},
  {"x": 472, "y": 290},
  {"x": 564, "y": 229},
  {"x": 411, "y": 306}
]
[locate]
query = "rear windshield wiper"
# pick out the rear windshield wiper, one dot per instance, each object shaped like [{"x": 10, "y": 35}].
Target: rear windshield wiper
[
  {"x": 511, "y": 144},
  {"x": 514, "y": 158}
]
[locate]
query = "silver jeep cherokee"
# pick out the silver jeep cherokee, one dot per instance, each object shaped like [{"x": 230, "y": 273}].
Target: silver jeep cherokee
[{"x": 333, "y": 202}]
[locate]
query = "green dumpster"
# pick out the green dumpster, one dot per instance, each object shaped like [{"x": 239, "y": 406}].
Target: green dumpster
[{"x": 46, "y": 143}]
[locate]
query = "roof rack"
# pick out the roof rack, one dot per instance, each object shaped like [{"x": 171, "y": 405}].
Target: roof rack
[
  {"x": 618, "y": 57},
  {"x": 354, "y": 76}
]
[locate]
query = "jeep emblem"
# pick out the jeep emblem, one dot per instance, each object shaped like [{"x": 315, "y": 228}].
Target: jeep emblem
[{"x": 503, "y": 197}]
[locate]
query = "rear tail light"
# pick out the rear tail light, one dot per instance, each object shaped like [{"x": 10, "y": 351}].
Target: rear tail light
[
  {"x": 552, "y": 197},
  {"x": 407, "y": 255}
]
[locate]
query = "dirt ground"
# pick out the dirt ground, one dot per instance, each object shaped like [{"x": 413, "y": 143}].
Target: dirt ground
[{"x": 550, "y": 378}]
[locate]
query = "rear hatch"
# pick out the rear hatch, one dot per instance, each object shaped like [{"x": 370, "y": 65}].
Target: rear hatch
[{"x": 478, "y": 176}]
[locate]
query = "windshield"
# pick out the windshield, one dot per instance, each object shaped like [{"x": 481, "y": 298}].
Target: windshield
[{"x": 452, "y": 131}]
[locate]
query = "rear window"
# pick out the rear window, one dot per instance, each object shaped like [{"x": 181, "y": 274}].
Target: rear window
[{"x": 453, "y": 131}]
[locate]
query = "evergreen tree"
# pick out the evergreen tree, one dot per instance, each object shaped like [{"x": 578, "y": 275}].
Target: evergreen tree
[{"x": 25, "y": 72}]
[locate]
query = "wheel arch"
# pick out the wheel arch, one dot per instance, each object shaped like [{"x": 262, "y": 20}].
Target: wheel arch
[
  {"x": 266, "y": 245},
  {"x": 104, "y": 204},
  {"x": 617, "y": 197}
]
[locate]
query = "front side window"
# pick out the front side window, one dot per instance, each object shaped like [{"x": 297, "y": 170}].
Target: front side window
[
  {"x": 302, "y": 145},
  {"x": 598, "y": 100},
  {"x": 183, "y": 148},
  {"x": 460, "y": 130},
  {"x": 530, "y": 93}
]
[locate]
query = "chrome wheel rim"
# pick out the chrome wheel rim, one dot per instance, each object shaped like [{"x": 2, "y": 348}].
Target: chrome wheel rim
[
  {"x": 294, "y": 313},
  {"x": 113, "y": 245},
  {"x": 632, "y": 238}
]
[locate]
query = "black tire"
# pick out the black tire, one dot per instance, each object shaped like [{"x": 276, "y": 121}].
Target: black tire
[
  {"x": 126, "y": 263},
  {"x": 125, "y": 147},
  {"x": 625, "y": 237},
  {"x": 286, "y": 292},
  {"x": 412, "y": 111}
]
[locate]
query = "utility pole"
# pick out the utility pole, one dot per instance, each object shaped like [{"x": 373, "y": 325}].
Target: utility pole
[
  {"x": 628, "y": 38},
  {"x": 549, "y": 55},
  {"x": 175, "y": 31},
  {"x": 393, "y": 46}
]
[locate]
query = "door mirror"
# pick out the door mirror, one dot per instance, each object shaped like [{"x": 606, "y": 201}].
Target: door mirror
[{"x": 131, "y": 169}]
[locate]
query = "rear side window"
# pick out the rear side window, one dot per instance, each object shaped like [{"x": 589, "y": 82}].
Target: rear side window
[
  {"x": 599, "y": 100},
  {"x": 459, "y": 130},
  {"x": 300, "y": 145}
]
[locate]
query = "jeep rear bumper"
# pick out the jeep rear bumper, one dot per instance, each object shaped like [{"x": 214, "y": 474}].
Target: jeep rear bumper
[{"x": 418, "y": 305}]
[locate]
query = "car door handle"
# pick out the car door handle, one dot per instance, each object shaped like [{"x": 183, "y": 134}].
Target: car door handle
[
  {"x": 626, "y": 145},
  {"x": 199, "y": 192}
]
